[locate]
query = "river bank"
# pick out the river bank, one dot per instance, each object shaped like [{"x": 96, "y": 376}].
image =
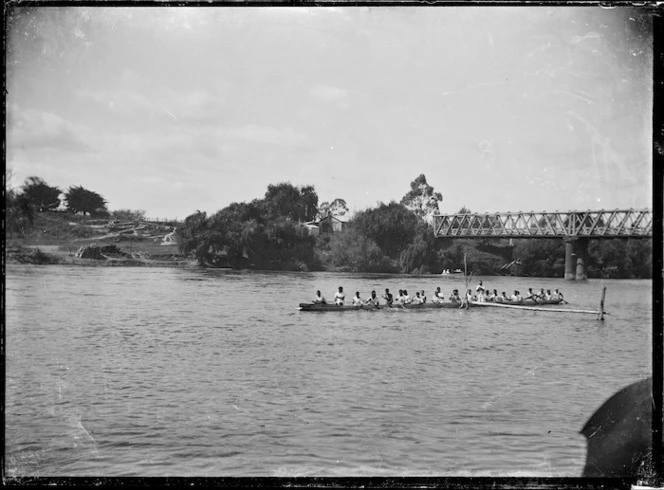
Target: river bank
[{"x": 62, "y": 255}]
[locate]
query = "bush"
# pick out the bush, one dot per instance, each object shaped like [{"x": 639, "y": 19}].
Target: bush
[{"x": 353, "y": 252}]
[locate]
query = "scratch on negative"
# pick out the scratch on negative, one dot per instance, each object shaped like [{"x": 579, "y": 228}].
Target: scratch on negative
[
  {"x": 596, "y": 431},
  {"x": 80, "y": 425},
  {"x": 169, "y": 113}
]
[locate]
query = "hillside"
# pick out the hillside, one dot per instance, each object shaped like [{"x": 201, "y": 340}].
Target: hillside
[{"x": 59, "y": 237}]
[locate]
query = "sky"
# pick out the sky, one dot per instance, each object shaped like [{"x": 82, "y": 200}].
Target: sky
[{"x": 171, "y": 110}]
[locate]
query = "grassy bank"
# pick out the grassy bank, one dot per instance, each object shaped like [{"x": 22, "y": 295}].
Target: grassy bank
[{"x": 55, "y": 238}]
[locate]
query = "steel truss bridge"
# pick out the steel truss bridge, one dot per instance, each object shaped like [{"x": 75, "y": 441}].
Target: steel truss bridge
[
  {"x": 575, "y": 227},
  {"x": 619, "y": 223}
]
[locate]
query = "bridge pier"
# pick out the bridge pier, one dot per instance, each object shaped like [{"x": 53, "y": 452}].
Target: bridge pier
[
  {"x": 581, "y": 259},
  {"x": 570, "y": 259},
  {"x": 576, "y": 259}
]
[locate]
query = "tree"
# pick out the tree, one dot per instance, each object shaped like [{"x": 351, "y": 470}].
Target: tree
[
  {"x": 338, "y": 207},
  {"x": 192, "y": 233},
  {"x": 352, "y": 251},
  {"x": 539, "y": 258},
  {"x": 80, "y": 200},
  {"x": 421, "y": 199},
  {"x": 263, "y": 233},
  {"x": 419, "y": 256},
  {"x": 296, "y": 203},
  {"x": 42, "y": 196},
  {"x": 392, "y": 226},
  {"x": 20, "y": 214}
]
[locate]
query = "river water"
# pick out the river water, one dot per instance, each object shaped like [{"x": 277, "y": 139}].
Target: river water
[{"x": 190, "y": 372}]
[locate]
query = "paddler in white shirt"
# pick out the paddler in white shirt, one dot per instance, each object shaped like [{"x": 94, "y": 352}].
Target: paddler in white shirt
[
  {"x": 406, "y": 299},
  {"x": 480, "y": 291},
  {"x": 372, "y": 300},
  {"x": 339, "y": 297},
  {"x": 356, "y": 299},
  {"x": 417, "y": 299},
  {"x": 319, "y": 299}
]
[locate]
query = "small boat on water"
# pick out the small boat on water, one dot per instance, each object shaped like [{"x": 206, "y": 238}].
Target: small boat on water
[{"x": 455, "y": 274}]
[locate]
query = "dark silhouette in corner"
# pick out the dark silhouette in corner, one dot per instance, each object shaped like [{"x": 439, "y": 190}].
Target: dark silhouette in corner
[{"x": 619, "y": 433}]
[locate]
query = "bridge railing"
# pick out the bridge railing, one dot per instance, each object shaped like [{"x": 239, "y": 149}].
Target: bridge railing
[{"x": 629, "y": 223}]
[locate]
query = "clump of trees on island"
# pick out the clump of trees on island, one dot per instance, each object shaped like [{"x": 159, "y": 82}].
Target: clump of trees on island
[
  {"x": 267, "y": 233},
  {"x": 264, "y": 233}
]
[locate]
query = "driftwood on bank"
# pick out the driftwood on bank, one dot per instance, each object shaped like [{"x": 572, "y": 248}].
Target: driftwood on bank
[
  {"x": 90, "y": 252},
  {"x": 96, "y": 252},
  {"x": 135, "y": 231}
]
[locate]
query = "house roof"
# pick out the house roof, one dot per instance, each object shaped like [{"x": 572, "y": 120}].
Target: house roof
[{"x": 328, "y": 217}]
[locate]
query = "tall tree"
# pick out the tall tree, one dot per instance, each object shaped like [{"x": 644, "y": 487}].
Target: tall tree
[
  {"x": 19, "y": 214},
  {"x": 422, "y": 199},
  {"x": 391, "y": 226},
  {"x": 338, "y": 207},
  {"x": 191, "y": 234},
  {"x": 81, "y": 200},
  {"x": 288, "y": 201},
  {"x": 42, "y": 196}
]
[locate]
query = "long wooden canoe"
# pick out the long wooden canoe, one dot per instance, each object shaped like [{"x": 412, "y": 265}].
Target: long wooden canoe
[
  {"x": 523, "y": 305},
  {"x": 426, "y": 306},
  {"x": 411, "y": 306}
]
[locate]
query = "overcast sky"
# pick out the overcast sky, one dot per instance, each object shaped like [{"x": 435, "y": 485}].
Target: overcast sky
[{"x": 172, "y": 110}]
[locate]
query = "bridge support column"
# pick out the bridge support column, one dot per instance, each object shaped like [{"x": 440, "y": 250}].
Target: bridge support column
[
  {"x": 570, "y": 259},
  {"x": 581, "y": 259}
]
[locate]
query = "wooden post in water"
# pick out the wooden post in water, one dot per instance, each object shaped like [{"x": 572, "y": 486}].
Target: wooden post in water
[
  {"x": 600, "y": 316},
  {"x": 465, "y": 274}
]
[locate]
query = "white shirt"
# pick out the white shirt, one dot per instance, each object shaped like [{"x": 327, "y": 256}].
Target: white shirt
[{"x": 339, "y": 298}]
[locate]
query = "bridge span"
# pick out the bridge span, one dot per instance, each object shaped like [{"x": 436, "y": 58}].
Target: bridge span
[{"x": 575, "y": 227}]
